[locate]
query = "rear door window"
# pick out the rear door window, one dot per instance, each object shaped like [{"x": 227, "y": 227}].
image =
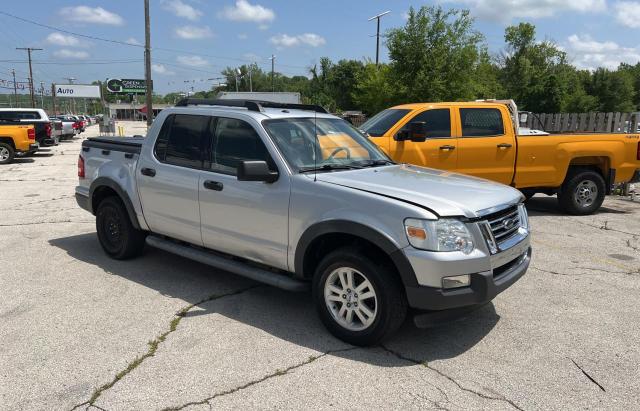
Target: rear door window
[
  {"x": 181, "y": 141},
  {"x": 481, "y": 122}
]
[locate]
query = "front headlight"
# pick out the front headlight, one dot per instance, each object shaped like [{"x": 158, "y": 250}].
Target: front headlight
[
  {"x": 446, "y": 234},
  {"x": 524, "y": 216}
]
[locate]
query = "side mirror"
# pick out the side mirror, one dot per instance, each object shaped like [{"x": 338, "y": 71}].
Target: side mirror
[
  {"x": 418, "y": 131},
  {"x": 256, "y": 171}
]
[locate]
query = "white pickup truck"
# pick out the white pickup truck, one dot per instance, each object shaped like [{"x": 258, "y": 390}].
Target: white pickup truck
[{"x": 291, "y": 196}]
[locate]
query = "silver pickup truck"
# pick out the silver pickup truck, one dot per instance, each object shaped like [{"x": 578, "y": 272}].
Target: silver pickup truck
[{"x": 296, "y": 198}]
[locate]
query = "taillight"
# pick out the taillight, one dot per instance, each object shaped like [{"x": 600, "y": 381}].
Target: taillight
[
  {"x": 80, "y": 167},
  {"x": 75, "y": 125},
  {"x": 47, "y": 128},
  {"x": 31, "y": 133},
  {"x": 638, "y": 155}
]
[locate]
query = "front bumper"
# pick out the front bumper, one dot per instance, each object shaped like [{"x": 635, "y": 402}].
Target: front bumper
[{"x": 485, "y": 285}]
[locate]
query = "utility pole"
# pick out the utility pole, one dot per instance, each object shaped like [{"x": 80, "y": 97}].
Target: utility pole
[
  {"x": 42, "y": 95},
  {"x": 147, "y": 63},
  {"x": 250, "y": 80},
  {"x": 29, "y": 50},
  {"x": 15, "y": 86},
  {"x": 53, "y": 99},
  {"x": 377, "y": 17},
  {"x": 273, "y": 79}
]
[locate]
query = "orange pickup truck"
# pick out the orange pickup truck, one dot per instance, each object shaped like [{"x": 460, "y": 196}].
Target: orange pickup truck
[
  {"x": 482, "y": 139},
  {"x": 16, "y": 138}
]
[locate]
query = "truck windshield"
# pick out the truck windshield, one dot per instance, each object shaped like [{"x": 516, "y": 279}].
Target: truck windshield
[
  {"x": 323, "y": 144},
  {"x": 379, "y": 124}
]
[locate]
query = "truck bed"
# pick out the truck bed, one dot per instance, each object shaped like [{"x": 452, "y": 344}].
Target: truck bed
[{"x": 123, "y": 144}]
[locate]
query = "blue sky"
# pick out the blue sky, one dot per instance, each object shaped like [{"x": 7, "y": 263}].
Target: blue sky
[{"x": 206, "y": 36}]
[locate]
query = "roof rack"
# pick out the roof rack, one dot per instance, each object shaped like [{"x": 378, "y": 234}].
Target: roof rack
[{"x": 251, "y": 105}]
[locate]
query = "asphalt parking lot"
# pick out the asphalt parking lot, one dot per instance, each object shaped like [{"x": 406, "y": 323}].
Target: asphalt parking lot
[{"x": 161, "y": 332}]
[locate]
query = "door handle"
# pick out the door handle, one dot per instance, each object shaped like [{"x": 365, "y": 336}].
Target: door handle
[
  {"x": 447, "y": 147},
  {"x": 505, "y": 145},
  {"x": 213, "y": 185},
  {"x": 148, "y": 171}
]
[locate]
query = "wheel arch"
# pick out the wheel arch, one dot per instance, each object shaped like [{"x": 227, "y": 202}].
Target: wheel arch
[
  {"x": 8, "y": 140},
  {"x": 326, "y": 236},
  {"x": 103, "y": 187}
]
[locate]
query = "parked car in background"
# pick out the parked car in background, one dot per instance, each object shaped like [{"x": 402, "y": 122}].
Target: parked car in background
[
  {"x": 36, "y": 117},
  {"x": 16, "y": 138},
  {"x": 291, "y": 196},
  {"x": 68, "y": 129},
  {"x": 482, "y": 139}
]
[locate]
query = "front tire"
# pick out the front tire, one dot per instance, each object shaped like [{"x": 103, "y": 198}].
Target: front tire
[
  {"x": 582, "y": 193},
  {"x": 117, "y": 236},
  {"x": 359, "y": 301},
  {"x": 7, "y": 153}
]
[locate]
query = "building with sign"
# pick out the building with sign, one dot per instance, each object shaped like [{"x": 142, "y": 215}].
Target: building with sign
[{"x": 133, "y": 111}]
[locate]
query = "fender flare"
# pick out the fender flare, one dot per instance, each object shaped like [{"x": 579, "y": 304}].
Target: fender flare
[
  {"x": 402, "y": 264},
  {"x": 107, "y": 182}
]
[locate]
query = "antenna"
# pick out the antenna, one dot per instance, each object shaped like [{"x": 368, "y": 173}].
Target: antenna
[{"x": 315, "y": 155}]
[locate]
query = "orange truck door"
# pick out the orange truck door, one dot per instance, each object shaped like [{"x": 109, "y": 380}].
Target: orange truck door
[
  {"x": 487, "y": 146},
  {"x": 439, "y": 150}
]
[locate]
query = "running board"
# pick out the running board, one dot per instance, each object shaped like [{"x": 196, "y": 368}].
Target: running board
[{"x": 232, "y": 266}]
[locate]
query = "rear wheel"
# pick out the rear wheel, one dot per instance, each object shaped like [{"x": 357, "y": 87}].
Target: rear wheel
[
  {"x": 117, "y": 236},
  {"x": 582, "y": 193},
  {"x": 359, "y": 301},
  {"x": 7, "y": 153}
]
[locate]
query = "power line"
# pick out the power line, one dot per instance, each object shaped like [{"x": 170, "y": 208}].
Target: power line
[{"x": 124, "y": 43}]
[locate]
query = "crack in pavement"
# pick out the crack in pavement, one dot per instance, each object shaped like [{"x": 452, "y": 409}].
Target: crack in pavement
[
  {"x": 587, "y": 375},
  {"x": 606, "y": 227},
  {"x": 585, "y": 268},
  {"x": 277, "y": 373},
  {"x": 454, "y": 381},
  {"x": 634, "y": 248},
  {"x": 48, "y": 200},
  {"x": 46, "y": 222},
  {"x": 155, "y": 343}
]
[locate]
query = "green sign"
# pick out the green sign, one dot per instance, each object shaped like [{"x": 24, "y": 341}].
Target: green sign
[{"x": 127, "y": 86}]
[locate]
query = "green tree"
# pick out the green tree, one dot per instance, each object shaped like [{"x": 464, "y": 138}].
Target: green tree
[
  {"x": 436, "y": 54},
  {"x": 376, "y": 89},
  {"x": 613, "y": 89}
]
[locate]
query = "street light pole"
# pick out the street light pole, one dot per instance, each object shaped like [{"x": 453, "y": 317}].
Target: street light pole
[
  {"x": 147, "y": 63},
  {"x": 377, "y": 17},
  {"x": 273, "y": 79},
  {"x": 42, "y": 94}
]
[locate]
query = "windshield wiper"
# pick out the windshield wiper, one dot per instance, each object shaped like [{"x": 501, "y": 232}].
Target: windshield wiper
[
  {"x": 375, "y": 163},
  {"x": 330, "y": 167}
]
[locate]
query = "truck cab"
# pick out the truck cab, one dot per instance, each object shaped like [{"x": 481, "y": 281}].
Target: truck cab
[{"x": 482, "y": 139}]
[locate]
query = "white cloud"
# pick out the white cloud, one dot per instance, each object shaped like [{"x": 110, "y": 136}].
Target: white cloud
[
  {"x": 506, "y": 10},
  {"x": 309, "y": 39},
  {"x": 628, "y": 13},
  {"x": 193, "y": 32},
  {"x": 134, "y": 41},
  {"x": 251, "y": 57},
  {"x": 590, "y": 54},
  {"x": 86, "y": 14},
  {"x": 161, "y": 69},
  {"x": 71, "y": 54},
  {"x": 60, "y": 39},
  {"x": 194, "y": 61},
  {"x": 181, "y": 9},
  {"x": 242, "y": 36},
  {"x": 245, "y": 11}
]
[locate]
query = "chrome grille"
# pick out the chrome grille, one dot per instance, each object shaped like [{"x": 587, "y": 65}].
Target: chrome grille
[{"x": 504, "y": 224}]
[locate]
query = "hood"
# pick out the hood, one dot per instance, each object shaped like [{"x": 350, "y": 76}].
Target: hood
[{"x": 443, "y": 192}]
